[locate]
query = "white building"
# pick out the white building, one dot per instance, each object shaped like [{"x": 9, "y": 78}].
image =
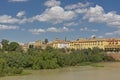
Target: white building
[
  {"x": 63, "y": 45},
  {"x": 0, "y": 46}
]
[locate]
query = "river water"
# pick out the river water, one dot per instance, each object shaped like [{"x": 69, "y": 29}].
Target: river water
[{"x": 110, "y": 71}]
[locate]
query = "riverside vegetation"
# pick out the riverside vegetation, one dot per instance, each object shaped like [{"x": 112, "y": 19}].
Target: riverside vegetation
[{"x": 13, "y": 60}]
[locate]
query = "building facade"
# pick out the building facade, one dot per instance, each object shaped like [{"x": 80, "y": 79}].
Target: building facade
[
  {"x": 60, "y": 44},
  {"x": 105, "y": 44},
  {"x": 111, "y": 44}
]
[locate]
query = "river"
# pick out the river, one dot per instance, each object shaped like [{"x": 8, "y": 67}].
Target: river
[{"x": 110, "y": 71}]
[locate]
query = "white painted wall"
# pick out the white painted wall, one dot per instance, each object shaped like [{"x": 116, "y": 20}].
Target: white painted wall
[{"x": 62, "y": 45}]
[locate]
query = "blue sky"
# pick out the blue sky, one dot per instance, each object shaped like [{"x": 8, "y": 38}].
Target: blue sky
[{"x": 31, "y": 20}]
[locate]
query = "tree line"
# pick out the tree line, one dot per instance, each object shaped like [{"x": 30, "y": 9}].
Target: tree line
[{"x": 13, "y": 60}]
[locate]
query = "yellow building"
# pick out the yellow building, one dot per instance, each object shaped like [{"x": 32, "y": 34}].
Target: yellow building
[
  {"x": 25, "y": 47},
  {"x": 112, "y": 45},
  {"x": 105, "y": 44},
  {"x": 38, "y": 43}
]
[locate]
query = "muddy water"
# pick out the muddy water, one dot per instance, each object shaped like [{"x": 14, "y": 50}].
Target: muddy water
[{"x": 110, "y": 71}]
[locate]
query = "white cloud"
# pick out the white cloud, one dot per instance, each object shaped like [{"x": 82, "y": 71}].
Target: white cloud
[
  {"x": 71, "y": 24},
  {"x": 7, "y": 27},
  {"x": 55, "y": 15},
  {"x": 12, "y": 20},
  {"x": 51, "y": 29},
  {"x": 20, "y": 14},
  {"x": 37, "y": 31},
  {"x": 63, "y": 29},
  {"x": 8, "y": 19},
  {"x": 89, "y": 30},
  {"x": 97, "y": 14},
  {"x": 52, "y": 3},
  {"x": 18, "y": 0},
  {"x": 77, "y": 6},
  {"x": 114, "y": 33},
  {"x": 81, "y": 11}
]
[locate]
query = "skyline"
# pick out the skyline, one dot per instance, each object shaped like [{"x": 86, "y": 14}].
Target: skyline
[{"x": 29, "y": 20}]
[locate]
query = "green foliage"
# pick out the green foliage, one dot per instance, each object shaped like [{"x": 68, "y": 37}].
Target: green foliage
[
  {"x": 49, "y": 49},
  {"x": 5, "y": 44},
  {"x": 2, "y": 67},
  {"x": 16, "y": 70},
  {"x": 49, "y": 61},
  {"x": 14, "y": 46},
  {"x": 14, "y": 62},
  {"x": 46, "y": 41}
]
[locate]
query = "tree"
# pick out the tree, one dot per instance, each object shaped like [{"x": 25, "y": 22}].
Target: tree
[
  {"x": 5, "y": 44},
  {"x": 31, "y": 46},
  {"x": 14, "y": 46},
  {"x": 2, "y": 66},
  {"x": 49, "y": 49},
  {"x": 46, "y": 41}
]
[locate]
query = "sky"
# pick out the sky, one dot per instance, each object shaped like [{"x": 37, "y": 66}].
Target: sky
[{"x": 31, "y": 20}]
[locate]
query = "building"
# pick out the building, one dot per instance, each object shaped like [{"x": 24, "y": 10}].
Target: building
[
  {"x": 87, "y": 43},
  {"x": 112, "y": 45},
  {"x": 1, "y": 46},
  {"x": 105, "y": 44},
  {"x": 38, "y": 43},
  {"x": 60, "y": 44},
  {"x": 25, "y": 47}
]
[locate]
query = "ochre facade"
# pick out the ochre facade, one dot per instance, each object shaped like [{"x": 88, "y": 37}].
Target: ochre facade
[
  {"x": 105, "y": 44},
  {"x": 110, "y": 44}
]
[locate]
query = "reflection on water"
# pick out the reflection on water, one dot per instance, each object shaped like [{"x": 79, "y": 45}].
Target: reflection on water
[{"x": 109, "y": 72}]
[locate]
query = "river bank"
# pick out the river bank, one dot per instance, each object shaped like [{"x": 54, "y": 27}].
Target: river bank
[{"x": 109, "y": 71}]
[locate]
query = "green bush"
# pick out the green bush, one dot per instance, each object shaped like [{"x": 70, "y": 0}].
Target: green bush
[
  {"x": 2, "y": 67},
  {"x": 12, "y": 63}
]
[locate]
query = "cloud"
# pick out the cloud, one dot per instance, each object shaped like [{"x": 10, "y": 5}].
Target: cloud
[
  {"x": 11, "y": 20},
  {"x": 51, "y": 29},
  {"x": 114, "y": 33},
  {"x": 63, "y": 29},
  {"x": 77, "y": 6},
  {"x": 55, "y": 15},
  {"x": 81, "y": 11},
  {"x": 8, "y": 19},
  {"x": 8, "y": 27},
  {"x": 52, "y": 3},
  {"x": 18, "y": 0},
  {"x": 71, "y": 24},
  {"x": 37, "y": 31},
  {"x": 97, "y": 14},
  {"x": 20, "y": 14},
  {"x": 89, "y": 30}
]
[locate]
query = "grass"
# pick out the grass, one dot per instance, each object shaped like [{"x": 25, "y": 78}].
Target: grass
[
  {"x": 22, "y": 74},
  {"x": 97, "y": 65},
  {"x": 91, "y": 64}
]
